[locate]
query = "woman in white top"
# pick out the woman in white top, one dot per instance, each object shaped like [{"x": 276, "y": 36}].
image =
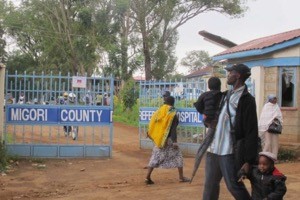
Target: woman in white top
[{"x": 270, "y": 111}]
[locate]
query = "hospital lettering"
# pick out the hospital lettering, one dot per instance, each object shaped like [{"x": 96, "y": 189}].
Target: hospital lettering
[
  {"x": 183, "y": 116},
  {"x": 189, "y": 117},
  {"x": 146, "y": 115}
]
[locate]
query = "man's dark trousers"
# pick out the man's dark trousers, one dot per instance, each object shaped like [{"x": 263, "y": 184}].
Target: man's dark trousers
[{"x": 216, "y": 167}]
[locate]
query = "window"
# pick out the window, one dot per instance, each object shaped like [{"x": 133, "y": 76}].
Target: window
[
  {"x": 287, "y": 86},
  {"x": 251, "y": 86}
]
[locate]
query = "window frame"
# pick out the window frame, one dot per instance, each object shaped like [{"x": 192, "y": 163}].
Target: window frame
[{"x": 295, "y": 78}]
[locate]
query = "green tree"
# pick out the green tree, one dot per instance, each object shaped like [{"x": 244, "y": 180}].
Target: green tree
[
  {"x": 196, "y": 59},
  {"x": 20, "y": 62},
  {"x": 124, "y": 57},
  {"x": 164, "y": 56},
  {"x": 174, "y": 77},
  {"x": 59, "y": 35},
  {"x": 129, "y": 94},
  {"x": 166, "y": 16},
  {"x": 71, "y": 35},
  {"x": 2, "y": 46},
  {"x": 2, "y": 40}
]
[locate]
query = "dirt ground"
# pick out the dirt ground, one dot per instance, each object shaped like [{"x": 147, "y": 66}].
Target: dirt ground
[{"x": 120, "y": 177}]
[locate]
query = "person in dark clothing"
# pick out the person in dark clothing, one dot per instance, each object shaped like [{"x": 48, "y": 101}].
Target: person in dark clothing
[
  {"x": 207, "y": 103},
  {"x": 165, "y": 95},
  {"x": 64, "y": 101},
  {"x": 165, "y": 155},
  {"x": 237, "y": 124},
  {"x": 267, "y": 182}
]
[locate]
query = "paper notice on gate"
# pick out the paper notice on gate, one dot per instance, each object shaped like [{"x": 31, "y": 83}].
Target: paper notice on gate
[{"x": 79, "y": 82}]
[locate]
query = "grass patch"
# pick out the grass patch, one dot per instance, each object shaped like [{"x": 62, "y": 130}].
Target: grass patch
[
  {"x": 9, "y": 138},
  {"x": 126, "y": 116},
  {"x": 13, "y": 157}
]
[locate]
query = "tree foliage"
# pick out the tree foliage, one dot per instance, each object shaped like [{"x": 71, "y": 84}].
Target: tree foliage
[
  {"x": 108, "y": 36},
  {"x": 129, "y": 94},
  {"x": 167, "y": 16},
  {"x": 21, "y": 62},
  {"x": 3, "y": 53},
  {"x": 124, "y": 57},
  {"x": 196, "y": 59},
  {"x": 59, "y": 35}
]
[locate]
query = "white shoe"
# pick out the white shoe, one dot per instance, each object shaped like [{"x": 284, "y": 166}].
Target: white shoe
[{"x": 66, "y": 134}]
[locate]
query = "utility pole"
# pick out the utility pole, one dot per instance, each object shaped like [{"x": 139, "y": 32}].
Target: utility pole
[{"x": 2, "y": 80}]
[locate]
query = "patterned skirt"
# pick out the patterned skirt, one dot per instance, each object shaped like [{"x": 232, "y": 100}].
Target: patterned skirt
[{"x": 166, "y": 157}]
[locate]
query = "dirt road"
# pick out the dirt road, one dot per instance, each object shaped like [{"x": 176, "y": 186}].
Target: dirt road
[{"x": 121, "y": 177}]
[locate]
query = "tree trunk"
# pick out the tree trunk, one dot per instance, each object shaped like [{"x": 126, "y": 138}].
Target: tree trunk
[
  {"x": 124, "y": 47},
  {"x": 147, "y": 55}
]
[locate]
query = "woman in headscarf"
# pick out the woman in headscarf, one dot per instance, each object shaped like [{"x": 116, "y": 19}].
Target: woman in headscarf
[
  {"x": 270, "y": 111},
  {"x": 162, "y": 131}
]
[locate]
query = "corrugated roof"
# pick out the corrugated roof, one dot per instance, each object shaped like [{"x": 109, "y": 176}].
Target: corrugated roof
[
  {"x": 263, "y": 42},
  {"x": 200, "y": 72},
  {"x": 139, "y": 78}
]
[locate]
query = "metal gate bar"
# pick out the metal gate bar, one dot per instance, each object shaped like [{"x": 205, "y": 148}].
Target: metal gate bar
[
  {"x": 191, "y": 129},
  {"x": 39, "y": 125}
]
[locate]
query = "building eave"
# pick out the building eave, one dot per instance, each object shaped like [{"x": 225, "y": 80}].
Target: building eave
[{"x": 258, "y": 52}]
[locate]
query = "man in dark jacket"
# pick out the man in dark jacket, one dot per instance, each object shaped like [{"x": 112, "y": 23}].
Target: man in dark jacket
[{"x": 237, "y": 127}]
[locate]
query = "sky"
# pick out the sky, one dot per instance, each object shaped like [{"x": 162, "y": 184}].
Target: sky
[{"x": 263, "y": 18}]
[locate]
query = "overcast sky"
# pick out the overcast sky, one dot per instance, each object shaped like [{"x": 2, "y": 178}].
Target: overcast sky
[{"x": 263, "y": 18}]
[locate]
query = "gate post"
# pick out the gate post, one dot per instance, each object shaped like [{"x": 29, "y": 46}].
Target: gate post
[{"x": 2, "y": 78}]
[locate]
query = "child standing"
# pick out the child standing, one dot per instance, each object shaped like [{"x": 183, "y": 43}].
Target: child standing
[
  {"x": 207, "y": 103},
  {"x": 267, "y": 182}
]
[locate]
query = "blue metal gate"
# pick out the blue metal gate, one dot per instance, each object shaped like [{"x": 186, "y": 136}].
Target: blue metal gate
[
  {"x": 49, "y": 115},
  {"x": 190, "y": 131}
]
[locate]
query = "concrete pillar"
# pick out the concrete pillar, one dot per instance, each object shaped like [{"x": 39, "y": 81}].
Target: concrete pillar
[
  {"x": 258, "y": 75},
  {"x": 2, "y": 80}
]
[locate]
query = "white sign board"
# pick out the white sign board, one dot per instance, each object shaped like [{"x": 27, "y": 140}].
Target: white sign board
[{"x": 79, "y": 82}]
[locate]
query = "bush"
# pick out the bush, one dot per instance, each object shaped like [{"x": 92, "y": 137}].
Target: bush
[
  {"x": 286, "y": 154},
  {"x": 3, "y": 157},
  {"x": 129, "y": 94},
  {"x": 130, "y": 117}
]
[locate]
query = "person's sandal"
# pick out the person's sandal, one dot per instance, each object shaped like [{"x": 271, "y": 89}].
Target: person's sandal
[
  {"x": 184, "y": 180},
  {"x": 149, "y": 181}
]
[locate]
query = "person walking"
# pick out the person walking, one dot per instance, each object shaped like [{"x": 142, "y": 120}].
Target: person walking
[
  {"x": 162, "y": 131},
  {"x": 64, "y": 100},
  {"x": 270, "y": 111},
  {"x": 166, "y": 94},
  {"x": 237, "y": 127}
]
